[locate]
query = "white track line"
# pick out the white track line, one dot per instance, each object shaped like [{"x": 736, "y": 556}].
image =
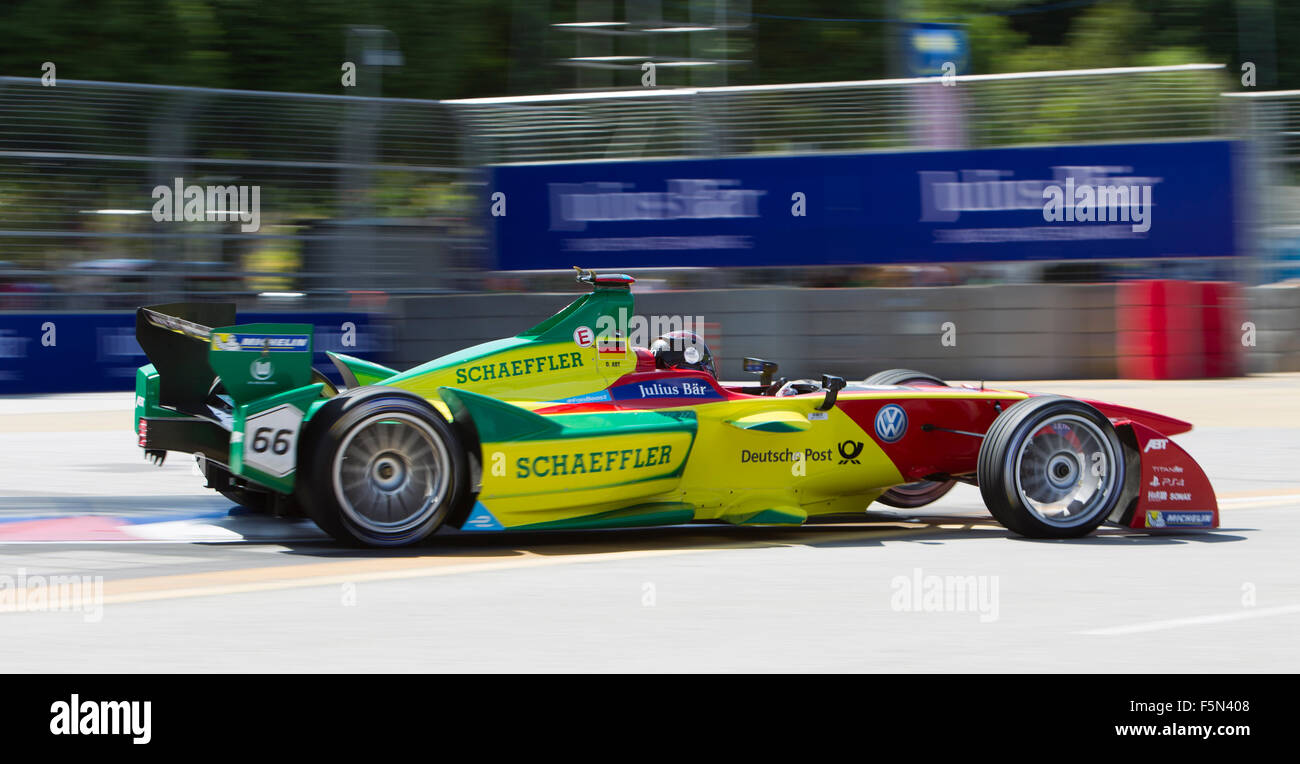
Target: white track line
[
  {"x": 1200, "y": 620},
  {"x": 1280, "y": 498}
]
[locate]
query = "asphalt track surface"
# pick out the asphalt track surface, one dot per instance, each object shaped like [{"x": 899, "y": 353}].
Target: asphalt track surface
[{"x": 196, "y": 590}]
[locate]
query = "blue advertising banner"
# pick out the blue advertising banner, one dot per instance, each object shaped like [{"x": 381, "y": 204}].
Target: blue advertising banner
[
  {"x": 1172, "y": 199},
  {"x": 931, "y": 46},
  {"x": 91, "y": 352}
]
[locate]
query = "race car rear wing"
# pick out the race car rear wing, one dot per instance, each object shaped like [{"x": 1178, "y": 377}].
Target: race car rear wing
[
  {"x": 192, "y": 344},
  {"x": 175, "y": 338}
]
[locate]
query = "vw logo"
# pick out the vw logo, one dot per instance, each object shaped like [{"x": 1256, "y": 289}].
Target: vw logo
[{"x": 891, "y": 423}]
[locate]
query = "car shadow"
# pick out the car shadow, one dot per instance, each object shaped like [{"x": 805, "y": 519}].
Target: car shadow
[
  {"x": 858, "y": 532},
  {"x": 1121, "y": 537}
]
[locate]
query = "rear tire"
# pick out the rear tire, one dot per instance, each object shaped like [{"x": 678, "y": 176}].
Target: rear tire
[
  {"x": 258, "y": 501},
  {"x": 381, "y": 467},
  {"x": 903, "y": 377},
  {"x": 922, "y": 492},
  {"x": 1051, "y": 467},
  {"x": 918, "y": 494}
]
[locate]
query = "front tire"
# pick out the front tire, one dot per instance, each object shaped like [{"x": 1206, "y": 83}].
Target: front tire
[
  {"x": 922, "y": 492},
  {"x": 381, "y": 467},
  {"x": 1051, "y": 467}
]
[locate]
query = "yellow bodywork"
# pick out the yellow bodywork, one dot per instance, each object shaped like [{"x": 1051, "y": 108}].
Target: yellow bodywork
[
  {"x": 740, "y": 459},
  {"x": 721, "y": 470}
]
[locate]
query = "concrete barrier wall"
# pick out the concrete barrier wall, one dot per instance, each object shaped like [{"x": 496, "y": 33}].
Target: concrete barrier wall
[
  {"x": 999, "y": 332},
  {"x": 1275, "y": 312},
  {"x": 1032, "y": 331},
  {"x": 1065, "y": 331}
]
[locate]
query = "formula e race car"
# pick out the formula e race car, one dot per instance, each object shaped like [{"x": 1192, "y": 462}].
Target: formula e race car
[{"x": 567, "y": 425}]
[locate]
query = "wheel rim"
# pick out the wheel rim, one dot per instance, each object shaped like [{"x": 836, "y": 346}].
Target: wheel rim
[
  {"x": 1065, "y": 471},
  {"x": 391, "y": 473}
]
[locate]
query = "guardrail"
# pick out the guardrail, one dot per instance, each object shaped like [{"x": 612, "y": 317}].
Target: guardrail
[
  {"x": 330, "y": 192},
  {"x": 968, "y": 111},
  {"x": 1270, "y": 120}
]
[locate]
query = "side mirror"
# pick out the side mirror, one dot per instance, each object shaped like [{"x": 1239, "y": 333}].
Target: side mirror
[
  {"x": 764, "y": 368},
  {"x": 833, "y": 386}
]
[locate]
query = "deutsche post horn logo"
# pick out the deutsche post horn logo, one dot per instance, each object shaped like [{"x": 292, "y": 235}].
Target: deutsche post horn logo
[{"x": 849, "y": 451}]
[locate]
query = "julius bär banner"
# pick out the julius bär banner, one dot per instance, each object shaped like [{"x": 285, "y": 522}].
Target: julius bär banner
[{"x": 1156, "y": 200}]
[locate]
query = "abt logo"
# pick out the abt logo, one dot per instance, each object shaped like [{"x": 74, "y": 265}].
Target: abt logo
[{"x": 1156, "y": 444}]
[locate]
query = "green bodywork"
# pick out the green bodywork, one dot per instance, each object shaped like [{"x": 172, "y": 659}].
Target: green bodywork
[{"x": 266, "y": 367}]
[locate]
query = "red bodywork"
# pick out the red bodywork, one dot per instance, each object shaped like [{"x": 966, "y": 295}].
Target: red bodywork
[
  {"x": 1165, "y": 488},
  {"x": 1172, "y": 489}
]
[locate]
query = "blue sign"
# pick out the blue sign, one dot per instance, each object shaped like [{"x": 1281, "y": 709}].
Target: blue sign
[
  {"x": 1155, "y": 200},
  {"x": 91, "y": 352},
  {"x": 932, "y": 46}
]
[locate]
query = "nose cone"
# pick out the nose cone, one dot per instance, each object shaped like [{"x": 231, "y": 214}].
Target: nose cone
[{"x": 1166, "y": 425}]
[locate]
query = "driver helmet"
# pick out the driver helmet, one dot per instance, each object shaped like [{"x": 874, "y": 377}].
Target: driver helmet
[{"x": 683, "y": 350}]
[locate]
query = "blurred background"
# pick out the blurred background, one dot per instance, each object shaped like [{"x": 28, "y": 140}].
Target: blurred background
[{"x": 837, "y": 186}]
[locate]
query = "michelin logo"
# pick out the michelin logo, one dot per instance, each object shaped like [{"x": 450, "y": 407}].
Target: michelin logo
[
  {"x": 260, "y": 342},
  {"x": 1167, "y": 519},
  {"x": 224, "y": 342}
]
